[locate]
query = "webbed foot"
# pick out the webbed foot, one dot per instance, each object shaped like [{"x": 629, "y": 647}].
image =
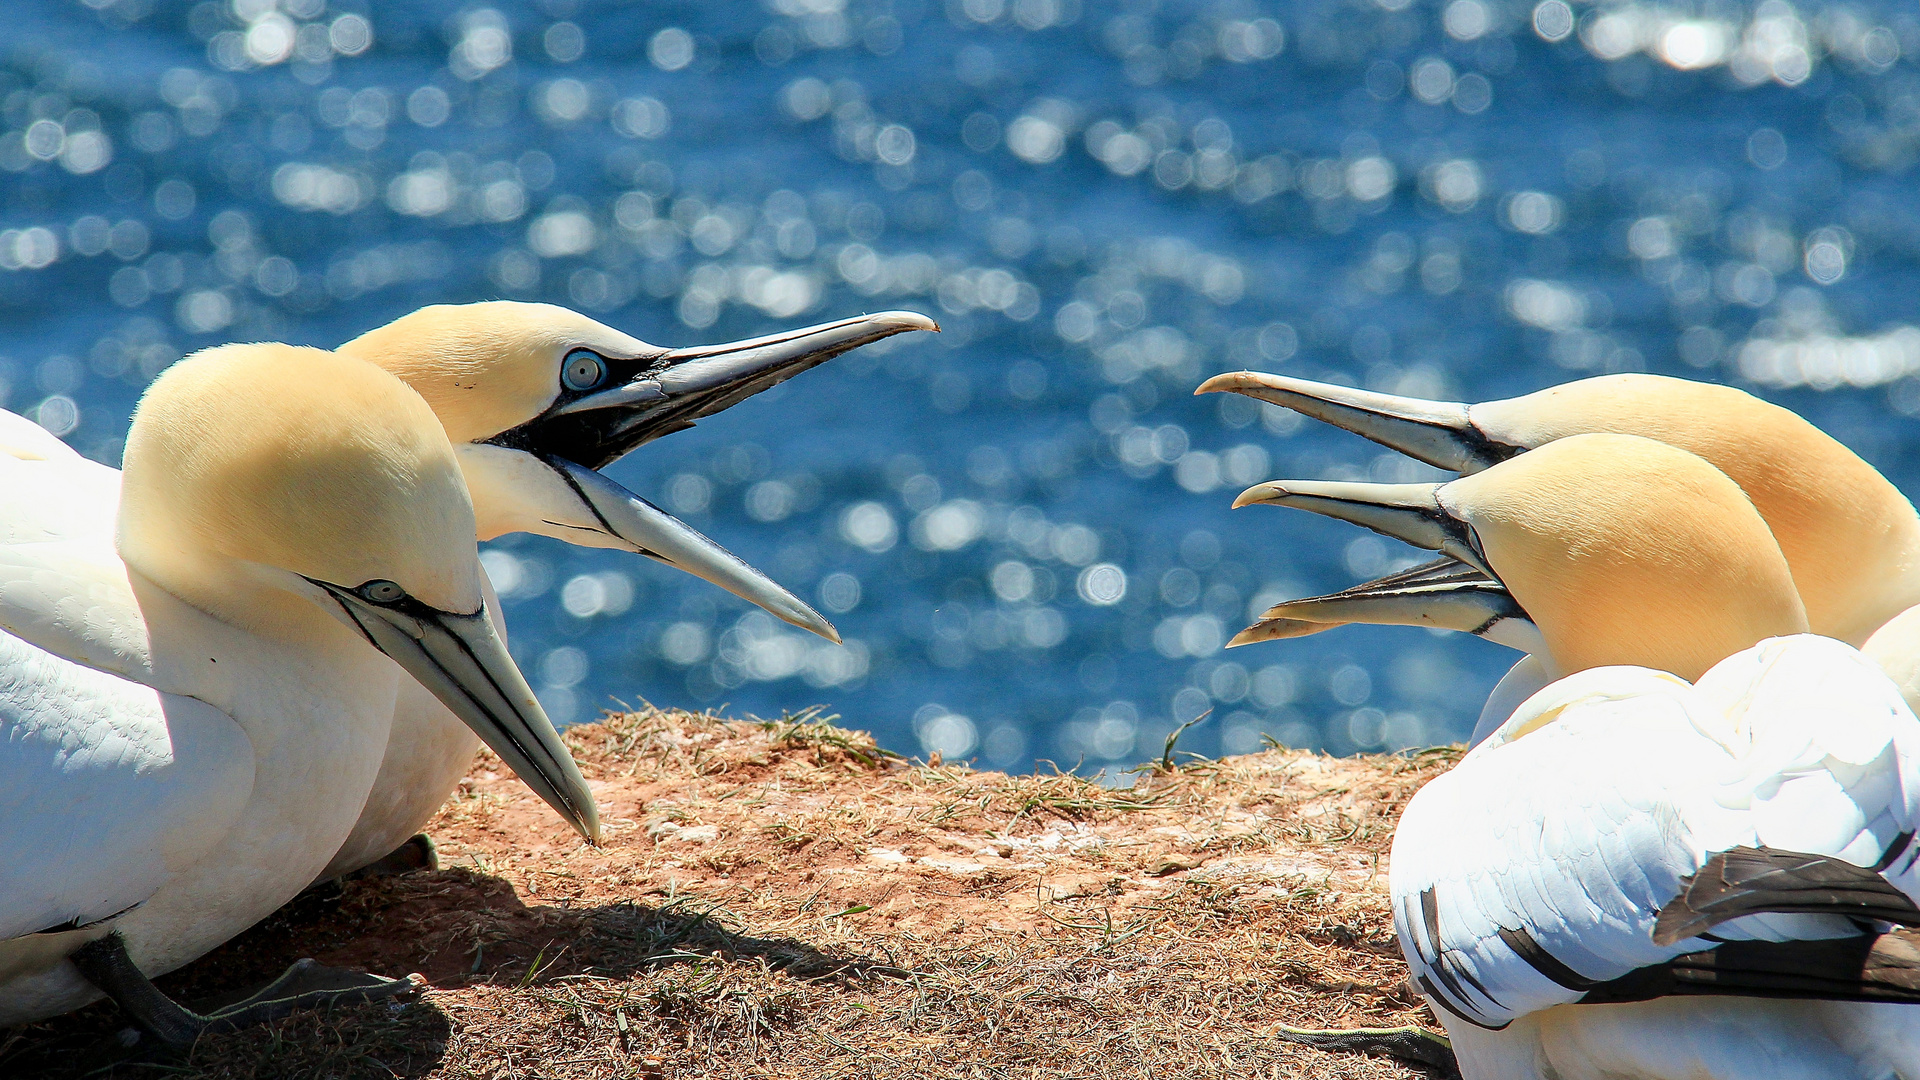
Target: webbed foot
[
  {"x": 305, "y": 985},
  {"x": 418, "y": 853},
  {"x": 1413, "y": 1045}
]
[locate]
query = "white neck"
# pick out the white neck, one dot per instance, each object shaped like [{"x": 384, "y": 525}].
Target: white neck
[{"x": 266, "y": 680}]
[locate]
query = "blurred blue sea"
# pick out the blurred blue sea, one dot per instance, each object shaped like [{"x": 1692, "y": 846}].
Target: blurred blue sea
[{"x": 1021, "y": 525}]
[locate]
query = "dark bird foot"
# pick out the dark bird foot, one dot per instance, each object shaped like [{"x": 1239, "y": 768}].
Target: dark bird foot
[
  {"x": 1413, "y": 1045},
  {"x": 305, "y": 985},
  {"x": 418, "y": 853}
]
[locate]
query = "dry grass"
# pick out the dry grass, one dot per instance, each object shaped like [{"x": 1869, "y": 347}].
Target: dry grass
[{"x": 784, "y": 899}]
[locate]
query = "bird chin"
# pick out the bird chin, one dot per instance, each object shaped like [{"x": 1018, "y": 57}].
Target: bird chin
[{"x": 518, "y": 491}]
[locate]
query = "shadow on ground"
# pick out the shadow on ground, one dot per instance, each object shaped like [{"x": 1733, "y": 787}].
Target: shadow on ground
[{"x": 457, "y": 928}]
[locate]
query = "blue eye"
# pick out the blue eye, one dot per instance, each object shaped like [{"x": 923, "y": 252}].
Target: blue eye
[
  {"x": 381, "y": 591},
  {"x": 583, "y": 370}
]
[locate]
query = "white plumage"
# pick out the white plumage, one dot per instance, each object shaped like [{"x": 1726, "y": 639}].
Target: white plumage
[
  {"x": 503, "y": 362},
  {"x": 113, "y": 791},
  {"x": 1565, "y": 828},
  {"x": 1614, "y": 883},
  {"x": 192, "y": 707}
]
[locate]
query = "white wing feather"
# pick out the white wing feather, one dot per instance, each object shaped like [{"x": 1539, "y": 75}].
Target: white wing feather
[
  {"x": 62, "y": 584},
  {"x": 22, "y": 438},
  {"x": 1575, "y": 822},
  {"x": 107, "y": 785}
]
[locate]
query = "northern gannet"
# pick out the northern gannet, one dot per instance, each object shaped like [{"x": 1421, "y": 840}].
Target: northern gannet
[
  {"x": 536, "y": 399},
  {"x": 1616, "y": 546},
  {"x": 1604, "y": 886},
  {"x": 1615, "y": 883},
  {"x": 192, "y": 714},
  {"x": 1851, "y": 538}
]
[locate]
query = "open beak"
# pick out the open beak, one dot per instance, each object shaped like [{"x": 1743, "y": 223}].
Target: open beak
[
  {"x": 1458, "y": 591},
  {"x": 603, "y": 509},
  {"x": 1445, "y": 593},
  {"x": 542, "y": 477},
  {"x": 671, "y": 390},
  {"x": 463, "y": 661},
  {"x": 1440, "y": 433}
]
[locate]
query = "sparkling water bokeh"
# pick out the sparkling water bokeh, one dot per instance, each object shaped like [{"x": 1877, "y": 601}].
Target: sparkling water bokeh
[{"x": 1020, "y": 525}]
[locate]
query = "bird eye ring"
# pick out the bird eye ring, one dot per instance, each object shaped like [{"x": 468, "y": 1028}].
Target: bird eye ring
[
  {"x": 583, "y": 370},
  {"x": 381, "y": 591}
]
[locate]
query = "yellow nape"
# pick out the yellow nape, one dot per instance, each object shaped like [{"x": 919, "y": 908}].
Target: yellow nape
[
  {"x": 1627, "y": 551},
  {"x": 297, "y": 460},
  {"x": 1851, "y": 539},
  {"x": 487, "y": 367}
]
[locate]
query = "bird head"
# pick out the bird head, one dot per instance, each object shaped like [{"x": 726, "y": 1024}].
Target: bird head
[
  {"x": 1620, "y": 550},
  {"x": 536, "y": 399},
  {"x": 1851, "y": 538},
  {"x": 265, "y": 484}
]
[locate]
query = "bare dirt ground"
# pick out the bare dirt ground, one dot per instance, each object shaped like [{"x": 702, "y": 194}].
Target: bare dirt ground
[{"x": 782, "y": 899}]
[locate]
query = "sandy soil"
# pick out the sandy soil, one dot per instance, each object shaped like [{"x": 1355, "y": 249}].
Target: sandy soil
[{"x": 783, "y": 899}]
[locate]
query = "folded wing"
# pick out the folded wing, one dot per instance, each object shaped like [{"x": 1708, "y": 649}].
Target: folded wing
[
  {"x": 107, "y": 784},
  {"x": 1582, "y": 853}
]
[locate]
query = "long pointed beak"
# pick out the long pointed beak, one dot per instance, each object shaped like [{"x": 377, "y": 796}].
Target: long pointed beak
[
  {"x": 1277, "y": 630},
  {"x": 1440, "y": 433},
  {"x": 1409, "y": 512},
  {"x": 683, "y": 385},
  {"x": 648, "y": 530},
  {"x": 1445, "y": 593},
  {"x": 463, "y": 661}
]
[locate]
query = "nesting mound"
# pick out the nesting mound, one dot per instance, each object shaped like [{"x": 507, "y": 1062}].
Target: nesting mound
[{"x": 785, "y": 899}]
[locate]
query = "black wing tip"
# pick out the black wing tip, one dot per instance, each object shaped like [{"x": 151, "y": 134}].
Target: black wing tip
[
  {"x": 1745, "y": 881},
  {"x": 1869, "y": 968}
]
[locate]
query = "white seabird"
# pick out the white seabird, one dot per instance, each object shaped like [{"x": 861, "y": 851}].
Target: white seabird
[
  {"x": 1851, "y": 538},
  {"x": 536, "y": 399},
  {"x": 1608, "y": 886},
  {"x": 192, "y": 714},
  {"x": 1575, "y": 906}
]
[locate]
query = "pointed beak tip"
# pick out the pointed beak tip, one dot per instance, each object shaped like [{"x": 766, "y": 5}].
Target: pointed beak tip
[
  {"x": 461, "y": 659},
  {"x": 585, "y": 821},
  {"x": 908, "y": 320},
  {"x": 1232, "y": 380},
  {"x": 799, "y": 615},
  {"x": 819, "y": 627},
  {"x": 1244, "y": 637},
  {"x": 1258, "y": 493}
]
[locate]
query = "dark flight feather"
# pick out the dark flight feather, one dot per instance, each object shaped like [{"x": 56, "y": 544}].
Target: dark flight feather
[
  {"x": 1752, "y": 881},
  {"x": 1884, "y": 967}
]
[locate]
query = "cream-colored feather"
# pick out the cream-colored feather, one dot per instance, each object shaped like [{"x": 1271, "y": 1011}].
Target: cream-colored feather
[
  {"x": 1630, "y": 551},
  {"x": 488, "y": 367},
  {"x": 1851, "y": 537},
  {"x": 1622, "y": 550},
  {"x": 339, "y": 473}
]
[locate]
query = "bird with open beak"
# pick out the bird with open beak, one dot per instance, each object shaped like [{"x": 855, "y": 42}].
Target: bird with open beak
[
  {"x": 1850, "y": 537},
  {"x": 201, "y": 657},
  {"x": 536, "y": 400},
  {"x": 1713, "y": 807}
]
